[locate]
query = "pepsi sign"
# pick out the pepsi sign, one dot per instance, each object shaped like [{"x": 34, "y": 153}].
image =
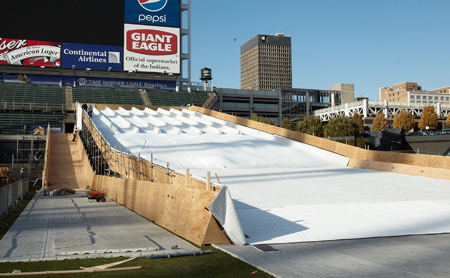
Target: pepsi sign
[{"x": 153, "y": 12}]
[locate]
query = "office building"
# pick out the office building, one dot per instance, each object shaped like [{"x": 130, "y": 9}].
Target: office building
[
  {"x": 412, "y": 93},
  {"x": 266, "y": 62}
]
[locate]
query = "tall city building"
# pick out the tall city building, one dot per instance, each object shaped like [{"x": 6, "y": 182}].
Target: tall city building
[{"x": 266, "y": 62}]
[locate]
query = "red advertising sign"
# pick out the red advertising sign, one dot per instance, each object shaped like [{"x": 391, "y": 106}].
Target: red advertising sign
[
  {"x": 30, "y": 53},
  {"x": 152, "y": 42},
  {"x": 152, "y": 49}
]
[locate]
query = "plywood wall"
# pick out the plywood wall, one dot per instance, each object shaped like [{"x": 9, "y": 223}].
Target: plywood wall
[
  {"x": 176, "y": 202},
  {"x": 425, "y": 165}
]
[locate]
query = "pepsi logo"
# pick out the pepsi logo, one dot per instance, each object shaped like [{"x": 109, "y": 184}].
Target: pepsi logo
[
  {"x": 153, "y": 5},
  {"x": 152, "y": 42}
]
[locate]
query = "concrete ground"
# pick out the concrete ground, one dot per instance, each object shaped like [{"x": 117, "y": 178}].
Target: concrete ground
[
  {"x": 68, "y": 227},
  {"x": 406, "y": 256}
]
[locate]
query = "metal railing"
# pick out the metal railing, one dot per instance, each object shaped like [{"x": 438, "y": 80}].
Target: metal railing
[
  {"x": 11, "y": 193},
  {"x": 31, "y": 106}
]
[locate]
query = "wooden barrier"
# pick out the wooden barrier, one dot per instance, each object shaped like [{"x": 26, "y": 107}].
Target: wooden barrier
[
  {"x": 46, "y": 159},
  {"x": 172, "y": 200},
  {"x": 426, "y": 165}
]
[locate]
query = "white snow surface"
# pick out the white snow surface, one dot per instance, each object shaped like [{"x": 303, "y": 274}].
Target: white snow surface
[{"x": 284, "y": 191}]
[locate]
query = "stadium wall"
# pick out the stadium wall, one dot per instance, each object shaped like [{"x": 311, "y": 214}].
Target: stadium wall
[{"x": 411, "y": 164}]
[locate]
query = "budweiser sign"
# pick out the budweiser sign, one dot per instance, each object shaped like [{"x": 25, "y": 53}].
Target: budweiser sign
[
  {"x": 30, "y": 53},
  {"x": 152, "y": 42}
]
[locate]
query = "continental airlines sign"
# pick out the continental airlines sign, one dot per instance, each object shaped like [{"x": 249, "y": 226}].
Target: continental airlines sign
[
  {"x": 91, "y": 56},
  {"x": 153, "y": 12},
  {"x": 152, "y": 49}
]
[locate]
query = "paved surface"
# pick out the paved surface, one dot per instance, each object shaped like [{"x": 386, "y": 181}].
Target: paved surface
[
  {"x": 67, "y": 227},
  {"x": 407, "y": 256}
]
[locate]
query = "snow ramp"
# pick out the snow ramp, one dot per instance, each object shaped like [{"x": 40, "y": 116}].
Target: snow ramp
[{"x": 282, "y": 190}]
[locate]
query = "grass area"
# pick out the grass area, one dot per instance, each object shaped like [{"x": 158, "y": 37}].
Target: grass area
[{"x": 217, "y": 264}]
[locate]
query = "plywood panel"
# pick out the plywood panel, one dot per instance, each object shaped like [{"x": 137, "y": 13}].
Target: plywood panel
[{"x": 431, "y": 161}]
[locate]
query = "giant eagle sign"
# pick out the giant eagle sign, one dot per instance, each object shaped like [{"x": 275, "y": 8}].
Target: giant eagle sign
[
  {"x": 152, "y": 49},
  {"x": 153, "y": 12}
]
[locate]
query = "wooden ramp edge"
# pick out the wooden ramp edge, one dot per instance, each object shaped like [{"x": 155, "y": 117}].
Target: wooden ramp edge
[{"x": 65, "y": 167}]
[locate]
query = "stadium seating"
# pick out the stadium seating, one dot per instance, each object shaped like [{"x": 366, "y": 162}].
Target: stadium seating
[
  {"x": 39, "y": 104},
  {"x": 107, "y": 95},
  {"x": 173, "y": 98},
  {"x": 14, "y": 122},
  {"x": 20, "y": 95}
]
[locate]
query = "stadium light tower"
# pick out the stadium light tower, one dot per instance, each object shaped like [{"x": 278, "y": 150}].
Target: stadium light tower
[{"x": 186, "y": 41}]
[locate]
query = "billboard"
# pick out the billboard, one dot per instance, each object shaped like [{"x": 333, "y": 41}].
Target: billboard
[
  {"x": 153, "y": 12},
  {"x": 30, "y": 53},
  {"x": 117, "y": 82},
  {"x": 42, "y": 129},
  {"x": 151, "y": 49},
  {"x": 91, "y": 56},
  {"x": 30, "y": 78}
]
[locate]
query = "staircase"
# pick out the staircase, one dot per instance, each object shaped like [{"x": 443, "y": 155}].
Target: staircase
[
  {"x": 69, "y": 97},
  {"x": 145, "y": 97}
]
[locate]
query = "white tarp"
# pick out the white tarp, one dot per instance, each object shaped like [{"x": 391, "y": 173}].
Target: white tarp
[
  {"x": 222, "y": 208},
  {"x": 283, "y": 191}
]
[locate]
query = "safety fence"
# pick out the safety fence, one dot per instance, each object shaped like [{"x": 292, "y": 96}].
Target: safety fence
[
  {"x": 175, "y": 201},
  {"x": 112, "y": 161},
  {"x": 10, "y": 193}
]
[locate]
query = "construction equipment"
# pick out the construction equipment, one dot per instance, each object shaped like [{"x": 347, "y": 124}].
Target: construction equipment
[{"x": 96, "y": 195}]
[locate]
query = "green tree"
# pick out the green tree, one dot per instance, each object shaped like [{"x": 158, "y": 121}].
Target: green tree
[
  {"x": 429, "y": 118},
  {"x": 404, "y": 120},
  {"x": 340, "y": 126},
  {"x": 286, "y": 123},
  {"x": 310, "y": 125},
  {"x": 358, "y": 119},
  {"x": 261, "y": 119},
  {"x": 380, "y": 122},
  {"x": 362, "y": 143}
]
